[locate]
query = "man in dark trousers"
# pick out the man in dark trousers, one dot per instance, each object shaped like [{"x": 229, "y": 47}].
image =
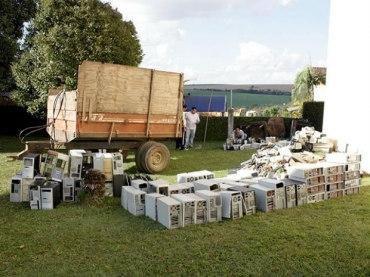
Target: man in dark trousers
[{"x": 180, "y": 142}]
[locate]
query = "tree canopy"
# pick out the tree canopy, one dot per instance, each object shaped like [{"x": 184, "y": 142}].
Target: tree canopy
[
  {"x": 305, "y": 82},
  {"x": 62, "y": 35},
  {"x": 13, "y": 14}
]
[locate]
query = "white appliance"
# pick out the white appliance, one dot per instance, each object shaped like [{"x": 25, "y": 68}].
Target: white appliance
[
  {"x": 124, "y": 195},
  {"x": 178, "y": 189},
  {"x": 265, "y": 198},
  {"x": 136, "y": 202},
  {"x": 214, "y": 204},
  {"x": 31, "y": 165},
  {"x": 278, "y": 185},
  {"x": 232, "y": 204},
  {"x": 68, "y": 189},
  {"x": 75, "y": 163},
  {"x": 210, "y": 184},
  {"x": 140, "y": 184},
  {"x": 16, "y": 188},
  {"x": 159, "y": 186},
  {"x": 117, "y": 165},
  {"x": 50, "y": 195},
  {"x": 151, "y": 205},
  {"x": 249, "y": 198},
  {"x": 61, "y": 163},
  {"x": 169, "y": 212},
  {"x": 201, "y": 215},
  {"x": 188, "y": 208}
]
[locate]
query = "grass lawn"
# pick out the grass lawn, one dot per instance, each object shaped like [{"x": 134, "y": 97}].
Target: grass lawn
[{"x": 329, "y": 238}]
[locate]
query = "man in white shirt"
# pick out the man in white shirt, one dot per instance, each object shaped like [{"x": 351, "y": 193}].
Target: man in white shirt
[
  {"x": 192, "y": 119},
  {"x": 180, "y": 142}
]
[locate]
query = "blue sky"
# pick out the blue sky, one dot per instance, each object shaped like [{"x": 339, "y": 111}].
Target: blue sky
[{"x": 230, "y": 41}]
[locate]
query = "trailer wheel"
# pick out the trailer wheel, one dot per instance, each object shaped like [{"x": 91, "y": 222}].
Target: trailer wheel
[
  {"x": 140, "y": 152},
  {"x": 156, "y": 159}
]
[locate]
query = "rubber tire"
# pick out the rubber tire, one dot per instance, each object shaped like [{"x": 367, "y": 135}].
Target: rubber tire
[
  {"x": 139, "y": 152},
  {"x": 156, "y": 158}
]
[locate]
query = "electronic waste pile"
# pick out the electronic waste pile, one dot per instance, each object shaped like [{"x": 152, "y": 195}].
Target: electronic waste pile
[{"x": 274, "y": 178}]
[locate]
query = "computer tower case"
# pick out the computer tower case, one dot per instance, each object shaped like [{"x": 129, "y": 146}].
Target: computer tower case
[
  {"x": 151, "y": 204},
  {"x": 68, "y": 190},
  {"x": 75, "y": 163},
  {"x": 232, "y": 204},
  {"x": 35, "y": 194},
  {"x": 159, "y": 186},
  {"x": 278, "y": 185},
  {"x": 265, "y": 198},
  {"x": 31, "y": 165},
  {"x": 140, "y": 184},
  {"x": 290, "y": 192},
  {"x": 335, "y": 194},
  {"x": 78, "y": 189},
  {"x": 136, "y": 202},
  {"x": 313, "y": 198},
  {"x": 61, "y": 163},
  {"x": 16, "y": 188},
  {"x": 50, "y": 161},
  {"x": 98, "y": 161},
  {"x": 351, "y": 190},
  {"x": 186, "y": 177},
  {"x": 124, "y": 196},
  {"x": 109, "y": 188},
  {"x": 352, "y": 183},
  {"x": 224, "y": 186},
  {"x": 343, "y": 157},
  {"x": 200, "y": 208},
  {"x": 311, "y": 190},
  {"x": 26, "y": 182},
  {"x": 118, "y": 178},
  {"x": 169, "y": 212},
  {"x": 214, "y": 204},
  {"x": 190, "y": 185},
  {"x": 205, "y": 184},
  {"x": 249, "y": 199},
  {"x": 50, "y": 195},
  {"x": 188, "y": 208},
  {"x": 331, "y": 168},
  {"x": 87, "y": 163},
  {"x": 178, "y": 189},
  {"x": 204, "y": 174},
  {"x": 304, "y": 171},
  {"x": 108, "y": 165},
  {"x": 351, "y": 175}
]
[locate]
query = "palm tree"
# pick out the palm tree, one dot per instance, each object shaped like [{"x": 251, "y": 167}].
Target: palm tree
[{"x": 305, "y": 82}]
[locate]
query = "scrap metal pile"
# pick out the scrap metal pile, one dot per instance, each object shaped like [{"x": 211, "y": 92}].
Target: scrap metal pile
[{"x": 272, "y": 157}]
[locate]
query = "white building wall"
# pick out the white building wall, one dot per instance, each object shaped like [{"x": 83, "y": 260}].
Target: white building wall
[
  {"x": 347, "y": 108},
  {"x": 319, "y": 93}
]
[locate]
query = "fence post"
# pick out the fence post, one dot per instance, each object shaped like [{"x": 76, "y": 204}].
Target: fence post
[{"x": 230, "y": 121}]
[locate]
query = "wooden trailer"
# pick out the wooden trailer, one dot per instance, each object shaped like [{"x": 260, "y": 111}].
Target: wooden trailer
[{"x": 117, "y": 107}]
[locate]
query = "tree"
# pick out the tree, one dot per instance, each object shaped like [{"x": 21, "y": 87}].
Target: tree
[
  {"x": 305, "y": 82},
  {"x": 62, "y": 35},
  {"x": 13, "y": 14}
]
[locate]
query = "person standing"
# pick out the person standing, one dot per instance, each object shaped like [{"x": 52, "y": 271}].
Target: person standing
[
  {"x": 192, "y": 119},
  {"x": 180, "y": 142}
]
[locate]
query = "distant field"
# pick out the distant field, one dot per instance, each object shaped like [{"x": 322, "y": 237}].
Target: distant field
[
  {"x": 244, "y": 100},
  {"x": 281, "y": 87}
]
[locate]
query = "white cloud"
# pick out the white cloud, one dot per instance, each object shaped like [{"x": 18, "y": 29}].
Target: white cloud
[{"x": 172, "y": 37}]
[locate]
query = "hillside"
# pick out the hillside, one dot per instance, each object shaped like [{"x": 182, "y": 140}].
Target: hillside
[{"x": 280, "y": 87}]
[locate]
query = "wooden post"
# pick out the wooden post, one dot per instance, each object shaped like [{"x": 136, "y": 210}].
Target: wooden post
[{"x": 230, "y": 121}]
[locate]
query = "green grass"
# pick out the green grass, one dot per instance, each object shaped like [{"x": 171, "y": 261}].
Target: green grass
[
  {"x": 245, "y": 100},
  {"x": 329, "y": 238}
]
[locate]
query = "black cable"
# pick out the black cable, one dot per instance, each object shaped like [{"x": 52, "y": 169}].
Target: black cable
[{"x": 40, "y": 127}]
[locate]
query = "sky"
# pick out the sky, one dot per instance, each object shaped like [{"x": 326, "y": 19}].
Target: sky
[{"x": 230, "y": 41}]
